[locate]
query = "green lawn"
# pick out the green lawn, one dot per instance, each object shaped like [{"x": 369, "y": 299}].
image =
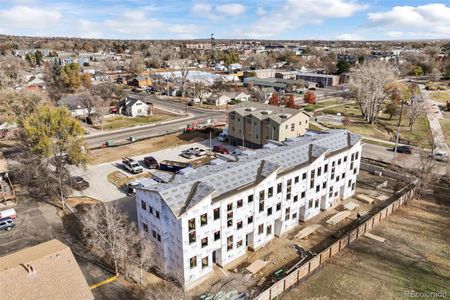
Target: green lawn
[
  {"x": 445, "y": 124},
  {"x": 350, "y": 108},
  {"x": 325, "y": 103},
  {"x": 440, "y": 96},
  {"x": 123, "y": 122}
]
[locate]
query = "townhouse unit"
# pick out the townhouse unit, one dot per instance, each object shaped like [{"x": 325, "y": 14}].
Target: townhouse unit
[
  {"x": 254, "y": 124},
  {"x": 216, "y": 214}
]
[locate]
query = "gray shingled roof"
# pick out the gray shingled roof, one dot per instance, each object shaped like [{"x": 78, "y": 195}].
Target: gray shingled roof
[{"x": 218, "y": 180}]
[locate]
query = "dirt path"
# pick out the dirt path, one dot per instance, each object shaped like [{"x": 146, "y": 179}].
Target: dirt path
[{"x": 158, "y": 143}]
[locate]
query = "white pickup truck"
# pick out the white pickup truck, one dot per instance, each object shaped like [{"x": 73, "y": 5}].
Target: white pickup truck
[{"x": 131, "y": 165}]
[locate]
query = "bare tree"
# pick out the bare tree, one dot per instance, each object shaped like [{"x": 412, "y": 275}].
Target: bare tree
[
  {"x": 88, "y": 102},
  {"x": 184, "y": 70},
  {"x": 415, "y": 110},
  {"x": 137, "y": 64},
  {"x": 369, "y": 85},
  {"x": 110, "y": 236},
  {"x": 11, "y": 72}
]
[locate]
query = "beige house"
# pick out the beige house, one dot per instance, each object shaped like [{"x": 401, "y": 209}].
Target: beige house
[
  {"x": 45, "y": 271},
  {"x": 254, "y": 124}
]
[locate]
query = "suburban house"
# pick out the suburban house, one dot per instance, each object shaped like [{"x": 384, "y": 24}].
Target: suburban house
[
  {"x": 218, "y": 99},
  {"x": 214, "y": 215},
  {"x": 267, "y": 92},
  {"x": 255, "y": 124},
  {"x": 140, "y": 81},
  {"x": 133, "y": 107},
  {"x": 75, "y": 106},
  {"x": 45, "y": 271},
  {"x": 241, "y": 97}
]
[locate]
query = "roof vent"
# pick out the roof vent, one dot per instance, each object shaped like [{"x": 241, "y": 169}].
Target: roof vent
[
  {"x": 266, "y": 112},
  {"x": 30, "y": 269},
  {"x": 284, "y": 116},
  {"x": 251, "y": 108}
]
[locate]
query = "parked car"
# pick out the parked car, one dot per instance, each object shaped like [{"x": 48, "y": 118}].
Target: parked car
[
  {"x": 131, "y": 187},
  {"x": 221, "y": 149},
  {"x": 223, "y": 136},
  {"x": 440, "y": 156},
  {"x": 403, "y": 149},
  {"x": 151, "y": 162},
  {"x": 131, "y": 165},
  {"x": 191, "y": 152},
  {"x": 78, "y": 183},
  {"x": 7, "y": 224}
]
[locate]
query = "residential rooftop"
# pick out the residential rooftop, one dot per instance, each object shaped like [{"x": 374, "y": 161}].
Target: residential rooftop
[
  {"x": 45, "y": 271},
  {"x": 181, "y": 192}
]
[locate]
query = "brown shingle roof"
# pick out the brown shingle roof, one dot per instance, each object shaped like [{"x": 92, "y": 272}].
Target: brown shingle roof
[{"x": 54, "y": 274}]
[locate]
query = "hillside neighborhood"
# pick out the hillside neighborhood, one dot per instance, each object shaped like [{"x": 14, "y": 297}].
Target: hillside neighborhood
[{"x": 223, "y": 168}]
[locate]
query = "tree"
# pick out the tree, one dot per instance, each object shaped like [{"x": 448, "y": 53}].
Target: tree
[
  {"x": 137, "y": 64},
  {"x": 16, "y": 106},
  {"x": 309, "y": 97},
  {"x": 11, "y": 72},
  {"x": 274, "y": 100},
  {"x": 39, "y": 57},
  {"x": 110, "y": 236},
  {"x": 70, "y": 77},
  {"x": 86, "y": 81},
  {"x": 54, "y": 139},
  {"x": 391, "y": 109},
  {"x": 343, "y": 66},
  {"x": 105, "y": 94},
  {"x": 30, "y": 57},
  {"x": 414, "y": 111},
  {"x": 291, "y": 102},
  {"x": 369, "y": 87},
  {"x": 88, "y": 102},
  {"x": 416, "y": 71}
]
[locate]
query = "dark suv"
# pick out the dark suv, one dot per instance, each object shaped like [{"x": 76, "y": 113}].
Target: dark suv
[
  {"x": 151, "y": 162},
  {"x": 403, "y": 149}
]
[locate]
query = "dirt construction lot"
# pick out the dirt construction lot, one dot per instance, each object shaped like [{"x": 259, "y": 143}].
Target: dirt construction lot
[{"x": 414, "y": 257}]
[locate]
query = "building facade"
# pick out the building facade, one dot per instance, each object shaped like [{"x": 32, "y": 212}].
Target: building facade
[
  {"x": 216, "y": 214},
  {"x": 254, "y": 124}
]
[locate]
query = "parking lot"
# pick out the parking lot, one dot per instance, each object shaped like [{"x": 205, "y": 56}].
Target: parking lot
[{"x": 102, "y": 189}]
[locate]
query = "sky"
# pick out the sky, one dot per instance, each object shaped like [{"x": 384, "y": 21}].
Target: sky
[{"x": 256, "y": 19}]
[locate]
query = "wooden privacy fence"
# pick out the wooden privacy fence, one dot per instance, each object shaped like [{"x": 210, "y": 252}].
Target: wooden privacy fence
[{"x": 315, "y": 262}]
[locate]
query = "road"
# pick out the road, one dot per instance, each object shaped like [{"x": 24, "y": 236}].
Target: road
[
  {"x": 145, "y": 131},
  {"x": 409, "y": 161}
]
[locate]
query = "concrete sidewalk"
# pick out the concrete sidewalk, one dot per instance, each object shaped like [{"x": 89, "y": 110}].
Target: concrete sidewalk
[{"x": 433, "y": 115}]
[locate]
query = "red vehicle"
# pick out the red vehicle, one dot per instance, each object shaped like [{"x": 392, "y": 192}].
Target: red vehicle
[
  {"x": 114, "y": 110},
  {"x": 221, "y": 149}
]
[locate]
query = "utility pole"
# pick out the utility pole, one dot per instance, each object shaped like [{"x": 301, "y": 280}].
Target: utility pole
[{"x": 398, "y": 131}]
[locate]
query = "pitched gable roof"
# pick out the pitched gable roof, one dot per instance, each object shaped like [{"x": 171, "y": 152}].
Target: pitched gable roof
[{"x": 46, "y": 271}]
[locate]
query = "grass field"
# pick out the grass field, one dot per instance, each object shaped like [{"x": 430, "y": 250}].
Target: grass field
[
  {"x": 414, "y": 257},
  {"x": 123, "y": 122},
  {"x": 445, "y": 124},
  {"x": 384, "y": 128},
  {"x": 440, "y": 96}
]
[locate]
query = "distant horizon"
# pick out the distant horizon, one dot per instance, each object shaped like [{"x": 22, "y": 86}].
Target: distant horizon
[
  {"x": 321, "y": 20},
  {"x": 224, "y": 39}
]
